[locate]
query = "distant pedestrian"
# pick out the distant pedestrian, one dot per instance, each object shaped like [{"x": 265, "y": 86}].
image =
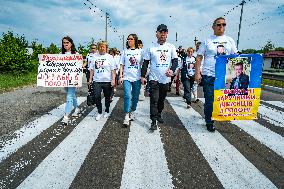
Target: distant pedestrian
[
  {"x": 68, "y": 47},
  {"x": 102, "y": 77},
  {"x": 187, "y": 74},
  {"x": 163, "y": 61},
  {"x": 130, "y": 76},
  {"x": 216, "y": 44},
  {"x": 89, "y": 58}
]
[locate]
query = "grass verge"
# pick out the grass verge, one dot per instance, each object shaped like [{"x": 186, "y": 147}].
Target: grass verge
[
  {"x": 273, "y": 83},
  {"x": 10, "y": 81}
]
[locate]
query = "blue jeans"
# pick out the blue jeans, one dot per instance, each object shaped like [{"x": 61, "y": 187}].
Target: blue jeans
[
  {"x": 71, "y": 99},
  {"x": 208, "y": 90},
  {"x": 131, "y": 91}
]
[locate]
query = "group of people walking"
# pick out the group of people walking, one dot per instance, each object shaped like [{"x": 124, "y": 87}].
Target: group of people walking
[{"x": 161, "y": 63}]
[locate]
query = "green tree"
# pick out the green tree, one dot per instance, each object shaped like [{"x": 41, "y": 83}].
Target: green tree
[
  {"x": 14, "y": 54},
  {"x": 37, "y": 49},
  {"x": 279, "y": 48},
  {"x": 83, "y": 50},
  {"x": 268, "y": 47},
  {"x": 53, "y": 49}
]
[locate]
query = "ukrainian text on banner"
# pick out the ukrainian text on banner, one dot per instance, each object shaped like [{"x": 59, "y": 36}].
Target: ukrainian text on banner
[
  {"x": 60, "y": 70},
  {"x": 237, "y": 87}
]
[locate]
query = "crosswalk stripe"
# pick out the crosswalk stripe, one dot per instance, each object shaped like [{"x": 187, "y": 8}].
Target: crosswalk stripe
[
  {"x": 276, "y": 103},
  {"x": 267, "y": 137},
  {"x": 145, "y": 162},
  {"x": 32, "y": 129},
  {"x": 272, "y": 115},
  {"x": 61, "y": 166},
  {"x": 231, "y": 167}
]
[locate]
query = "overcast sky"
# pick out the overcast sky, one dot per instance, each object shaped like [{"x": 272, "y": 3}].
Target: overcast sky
[{"x": 49, "y": 20}]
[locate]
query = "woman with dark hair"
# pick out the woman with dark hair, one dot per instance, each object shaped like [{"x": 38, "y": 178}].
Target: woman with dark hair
[
  {"x": 130, "y": 76},
  {"x": 68, "y": 47}
]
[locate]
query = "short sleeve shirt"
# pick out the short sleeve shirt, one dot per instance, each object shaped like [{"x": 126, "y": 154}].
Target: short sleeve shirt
[
  {"x": 212, "y": 46},
  {"x": 160, "y": 57},
  {"x": 131, "y": 59},
  {"x": 103, "y": 66}
]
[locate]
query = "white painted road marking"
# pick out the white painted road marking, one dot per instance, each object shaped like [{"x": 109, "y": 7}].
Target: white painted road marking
[
  {"x": 31, "y": 130},
  {"x": 145, "y": 162},
  {"x": 60, "y": 167},
  {"x": 230, "y": 166}
]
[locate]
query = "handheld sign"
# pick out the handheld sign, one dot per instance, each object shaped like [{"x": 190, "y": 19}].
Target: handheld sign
[
  {"x": 237, "y": 87},
  {"x": 60, "y": 70}
]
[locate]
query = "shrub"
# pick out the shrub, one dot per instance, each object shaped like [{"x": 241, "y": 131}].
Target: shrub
[{"x": 14, "y": 54}]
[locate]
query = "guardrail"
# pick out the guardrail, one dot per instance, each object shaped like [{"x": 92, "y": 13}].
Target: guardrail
[{"x": 273, "y": 76}]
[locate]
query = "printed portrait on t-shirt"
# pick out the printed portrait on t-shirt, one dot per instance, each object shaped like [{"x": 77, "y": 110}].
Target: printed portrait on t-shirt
[
  {"x": 221, "y": 50},
  {"x": 133, "y": 61},
  {"x": 163, "y": 57},
  {"x": 99, "y": 64}
]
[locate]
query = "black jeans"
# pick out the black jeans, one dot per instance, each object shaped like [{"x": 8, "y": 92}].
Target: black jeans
[
  {"x": 98, "y": 88},
  {"x": 187, "y": 85},
  {"x": 158, "y": 93}
]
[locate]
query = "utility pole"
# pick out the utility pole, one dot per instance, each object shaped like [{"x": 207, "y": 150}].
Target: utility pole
[
  {"x": 106, "y": 26},
  {"x": 195, "y": 41},
  {"x": 238, "y": 41},
  {"x": 176, "y": 36}
]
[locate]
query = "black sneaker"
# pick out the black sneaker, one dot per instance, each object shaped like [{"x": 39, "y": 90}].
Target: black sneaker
[
  {"x": 153, "y": 126},
  {"x": 160, "y": 119},
  {"x": 210, "y": 127}
]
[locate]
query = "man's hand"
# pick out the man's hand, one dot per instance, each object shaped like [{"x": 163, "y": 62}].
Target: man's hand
[
  {"x": 198, "y": 77},
  {"x": 169, "y": 73},
  {"x": 143, "y": 80}
]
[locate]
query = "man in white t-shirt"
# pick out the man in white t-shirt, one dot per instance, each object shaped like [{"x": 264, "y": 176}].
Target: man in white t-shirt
[
  {"x": 217, "y": 44},
  {"x": 163, "y": 61},
  {"x": 89, "y": 58}
]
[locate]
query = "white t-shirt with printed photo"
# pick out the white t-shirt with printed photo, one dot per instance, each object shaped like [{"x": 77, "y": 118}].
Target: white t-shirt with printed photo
[
  {"x": 160, "y": 57},
  {"x": 190, "y": 65},
  {"x": 131, "y": 59},
  {"x": 212, "y": 46},
  {"x": 103, "y": 66}
]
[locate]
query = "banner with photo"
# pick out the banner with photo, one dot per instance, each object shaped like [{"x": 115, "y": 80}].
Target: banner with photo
[
  {"x": 237, "y": 87},
  {"x": 60, "y": 70}
]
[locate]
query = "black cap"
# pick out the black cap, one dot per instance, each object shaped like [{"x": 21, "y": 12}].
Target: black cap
[{"x": 162, "y": 27}]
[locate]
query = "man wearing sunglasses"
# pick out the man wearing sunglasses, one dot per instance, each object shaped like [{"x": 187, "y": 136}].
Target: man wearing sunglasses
[
  {"x": 163, "y": 61},
  {"x": 89, "y": 58},
  {"x": 216, "y": 44}
]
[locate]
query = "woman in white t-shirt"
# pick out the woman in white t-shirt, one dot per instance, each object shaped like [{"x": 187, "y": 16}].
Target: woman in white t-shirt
[
  {"x": 102, "y": 76},
  {"x": 130, "y": 76},
  {"x": 68, "y": 47}
]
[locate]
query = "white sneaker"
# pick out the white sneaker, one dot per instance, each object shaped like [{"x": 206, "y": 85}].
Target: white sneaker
[
  {"x": 106, "y": 115},
  {"x": 131, "y": 116},
  {"x": 76, "y": 112},
  {"x": 65, "y": 120},
  {"x": 126, "y": 121},
  {"x": 99, "y": 116}
]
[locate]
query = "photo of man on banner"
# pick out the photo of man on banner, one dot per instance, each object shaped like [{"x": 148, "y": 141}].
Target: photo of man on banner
[{"x": 237, "y": 88}]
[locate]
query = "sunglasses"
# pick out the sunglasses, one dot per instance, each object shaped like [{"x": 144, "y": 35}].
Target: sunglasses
[
  {"x": 223, "y": 24},
  {"x": 94, "y": 48},
  {"x": 130, "y": 39}
]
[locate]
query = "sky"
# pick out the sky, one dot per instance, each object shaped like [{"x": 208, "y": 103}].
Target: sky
[{"x": 47, "y": 21}]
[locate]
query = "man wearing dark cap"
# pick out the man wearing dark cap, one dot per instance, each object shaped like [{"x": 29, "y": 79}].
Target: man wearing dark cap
[{"x": 163, "y": 61}]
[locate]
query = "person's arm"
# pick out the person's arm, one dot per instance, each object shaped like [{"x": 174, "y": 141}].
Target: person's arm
[
  {"x": 113, "y": 75},
  {"x": 91, "y": 76},
  {"x": 144, "y": 71},
  {"x": 197, "y": 68},
  {"x": 121, "y": 74}
]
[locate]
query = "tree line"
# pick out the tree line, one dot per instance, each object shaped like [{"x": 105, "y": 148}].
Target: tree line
[{"x": 14, "y": 56}]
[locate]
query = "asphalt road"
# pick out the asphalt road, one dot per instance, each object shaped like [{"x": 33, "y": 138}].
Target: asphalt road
[{"x": 36, "y": 151}]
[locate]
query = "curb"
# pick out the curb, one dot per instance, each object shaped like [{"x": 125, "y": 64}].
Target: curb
[{"x": 274, "y": 89}]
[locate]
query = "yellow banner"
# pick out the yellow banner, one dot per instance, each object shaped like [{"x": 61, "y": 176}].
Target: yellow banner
[{"x": 230, "y": 104}]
